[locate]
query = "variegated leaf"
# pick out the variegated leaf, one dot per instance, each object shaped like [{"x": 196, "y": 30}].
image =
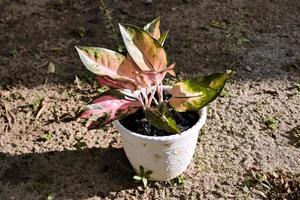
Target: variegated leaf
[
  {"x": 146, "y": 52},
  {"x": 105, "y": 62},
  {"x": 105, "y": 109},
  {"x": 153, "y": 28},
  {"x": 194, "y": 94},
  {"x": 161, "y": 118}
]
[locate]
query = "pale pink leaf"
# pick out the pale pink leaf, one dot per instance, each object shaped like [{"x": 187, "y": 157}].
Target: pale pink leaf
[
  {"x": 115, "y": 84},
  {"x": 155, "y": 78}
]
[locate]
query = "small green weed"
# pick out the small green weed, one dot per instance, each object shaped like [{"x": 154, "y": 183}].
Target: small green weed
[
  {"x": 79, "y": 144},
  {"x": 37, "y": 103},
  {"x": 271, "y": 123},
  {"x": 67, "y": 94},
  {"x": 16, "y": 95},
  {"x": 180, "y": 180},
  {"x": 12, "y": 52},
  {"x": 107, "y": 12},
  {"x": 47, "y": 136},
  {"x": 218, "y": 24},
  {"x": 143, "y": 176},
  {"x": 234, "y": 32}
]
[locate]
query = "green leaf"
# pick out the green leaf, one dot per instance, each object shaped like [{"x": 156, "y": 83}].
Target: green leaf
[
  {"x": 181, "y": 180},
  {"x": 148, "y": 173},
  {"x": 142, "y": 171},
  {"x": 138, "y": 178},
  {"x": 163, "y": 37},
  {"x": 143, "y": 175},
  {"x": 194, "y": 94},
  {"x": 145, "y": 181},
  {"x": 161, "y": 118}
]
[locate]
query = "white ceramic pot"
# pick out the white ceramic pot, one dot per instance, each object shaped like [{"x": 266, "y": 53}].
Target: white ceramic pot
[{"x": 166, "y": 156}]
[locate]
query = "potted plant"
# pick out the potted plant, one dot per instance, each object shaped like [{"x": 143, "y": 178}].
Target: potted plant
[{"x": 159, "y": 125}]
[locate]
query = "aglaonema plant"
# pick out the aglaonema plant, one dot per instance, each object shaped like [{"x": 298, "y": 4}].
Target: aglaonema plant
[{"x": 135, "y": 80}]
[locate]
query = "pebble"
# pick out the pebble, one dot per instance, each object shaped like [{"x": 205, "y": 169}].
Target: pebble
[
  {"x": 248, "y": 68},
  {"x": 148, "y": 1}
]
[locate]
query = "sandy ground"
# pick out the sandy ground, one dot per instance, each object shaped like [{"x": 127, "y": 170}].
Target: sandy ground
[{"x": 45, "y": 153}]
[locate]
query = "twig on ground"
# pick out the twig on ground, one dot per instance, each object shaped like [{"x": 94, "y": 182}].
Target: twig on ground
[
  {"x": 40, "y": 112},
  {"x": 43, "y": 64}
]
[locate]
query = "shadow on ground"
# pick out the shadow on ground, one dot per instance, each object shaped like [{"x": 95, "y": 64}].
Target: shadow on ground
[{"x": 66, "y": 174}]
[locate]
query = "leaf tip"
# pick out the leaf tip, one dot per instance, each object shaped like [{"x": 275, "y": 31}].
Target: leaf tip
[
  {"x": 157, "y": 19},
  {"x": 79, "y": 48},
  {"x": 121, "y": 27},
  {"x": 230, "y": 72}
]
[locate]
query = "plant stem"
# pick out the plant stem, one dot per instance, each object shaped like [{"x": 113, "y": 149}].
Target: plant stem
[
  {"x": 155, "y": 101},
  {"x": 160, "y": 93},
  {"x": 152, "y": 96},
  {"x": 140, "y": 98},
  {"x": 144, "y": 93}
]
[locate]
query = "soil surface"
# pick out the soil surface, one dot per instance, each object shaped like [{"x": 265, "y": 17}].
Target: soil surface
[
  {"x": 138, "y": 123},
  {"x": 46, "y": 154}
]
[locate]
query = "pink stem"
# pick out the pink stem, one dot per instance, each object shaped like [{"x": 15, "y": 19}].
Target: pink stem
[
  {"x": 160, "y": 93},
  {"x": 140, "y": 98},
  {"x": 152, "y": 96},
  {"x": 144, "y": 93}
]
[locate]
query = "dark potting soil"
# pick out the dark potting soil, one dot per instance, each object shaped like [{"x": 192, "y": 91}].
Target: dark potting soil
[{"x": 138, "y": 123}]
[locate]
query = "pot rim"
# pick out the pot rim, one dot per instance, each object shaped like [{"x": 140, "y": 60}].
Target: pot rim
[{"x": 200, "y": 123}]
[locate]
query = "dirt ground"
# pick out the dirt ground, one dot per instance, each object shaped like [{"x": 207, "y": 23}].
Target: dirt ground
[{"x": 46, "y": 154}]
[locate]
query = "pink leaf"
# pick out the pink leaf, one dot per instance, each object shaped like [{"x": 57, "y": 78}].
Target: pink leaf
[
  {"x": 115, "y": 84},
  {"x": 155, "y": 78},
  {"x": 105, "y": 109}
]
